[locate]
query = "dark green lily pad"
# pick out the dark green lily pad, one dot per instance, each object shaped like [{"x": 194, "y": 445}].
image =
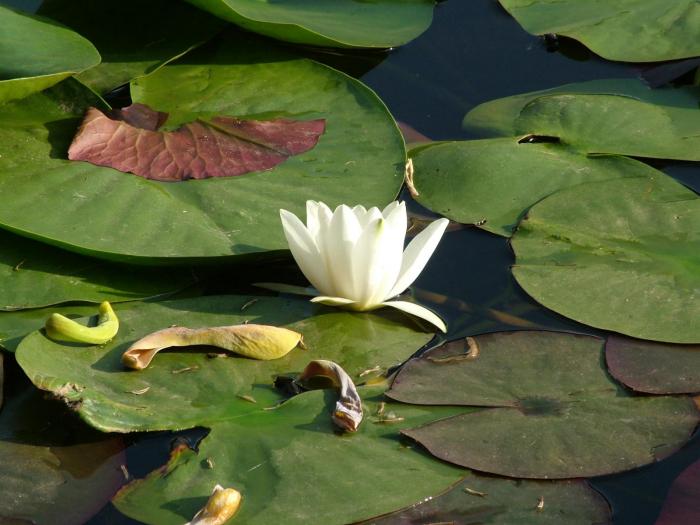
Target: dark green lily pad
[
  {"x": 292, "y": 466},
  {"x": 623, "y": 30},
  {"x": 492, "y": 500},
  {"x": 554, "y": 412},
  {"x": 33, "y": 275},
  {"x": 189, "y": 388},
  {"x": 655, "y": 368},
  {"x": 96, "y": 210},
  {"x": 620, "y": 255},
  {"x": 334, "y": 23},
  {"x": 622, "y": 117},
  {"x": 134, "y": 38},
  {"x": 45, "y": 472},
  {"x": 492, "y": 183},
  {"x": 36, "y": 53}
]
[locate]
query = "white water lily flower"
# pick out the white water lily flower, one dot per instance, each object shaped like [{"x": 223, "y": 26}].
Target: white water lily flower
[{"x": 354, "y": 257}]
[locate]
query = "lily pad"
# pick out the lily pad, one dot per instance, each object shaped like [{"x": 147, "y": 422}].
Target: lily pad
[
  {"x": 134, "y": 38},
  {"x": 485, "y": 500},
  {"x": 100, "y": 211},
  {"x": 292, "y": 466},
  {"x": 554, "y": 412},
  {"x": 45, "y": 472},
  {"x": 682, "y": 504},
  {"x": 655, "y": 368},
  {"x": 604, "y": 117},
  {"x": 621, "y": 30},
  {"x": 492, "y": 183},
  {"x": 33, "y": 275},
  {"x": 183, "y": 389},
  {"x": 36, "y": 53},
  {"x": 334, "y": 23},
  {"x": 620, "y": 255}
]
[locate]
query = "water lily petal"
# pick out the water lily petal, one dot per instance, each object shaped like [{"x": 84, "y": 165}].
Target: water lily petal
[
  {"x": 318, "y": 217},
  {"x": 391, "y": 207},
  {"x": 338, "y": 247},
  {"x": 364, "y": 218},
  {"x": 332, "y": 301},
  {"x": 417, "y": 253},
  {"x": 418, "y": 311},
  {"x": 305, "y": 251}
]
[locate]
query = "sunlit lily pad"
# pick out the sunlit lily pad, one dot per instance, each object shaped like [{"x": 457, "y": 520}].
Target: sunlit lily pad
[
  {"x": 498, "y": 501},
  {"x": 182, "y": 389},
  {"x": 621, "y": 117},
  {"x": 620, "y": 255},
  {"x": 46, "y": 471},
  {"x": 656, "y": 368},
  {"x": 36, "y": 53},
  {"x": 359, "y": 159},
  {"x": 292, "y": 466},
  {"x": 33, "y": 274},
  {"x": 133, "y": 37},
  {"x": 492, "y": 183},
  {"x": 624, "y": 30},
  {"x": 553, "y": 412},
  {"x": 335, "y": 23}
]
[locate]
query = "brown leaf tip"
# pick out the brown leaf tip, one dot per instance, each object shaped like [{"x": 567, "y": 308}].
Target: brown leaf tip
[{"x": 129, "y": 140}]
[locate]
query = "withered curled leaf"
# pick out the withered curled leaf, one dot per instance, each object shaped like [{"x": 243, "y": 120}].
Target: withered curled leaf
[
  {"x": 256, "y": 341},
  {"x": 348, "y": 409},
  {"x": 221, "y": 506}
]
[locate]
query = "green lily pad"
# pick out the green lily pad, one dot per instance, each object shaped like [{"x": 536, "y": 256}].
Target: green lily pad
[
  {"x": 190, "y": 388},
  {"x": 45, "y": 473},
  {"x": 100, "y": 211},
  {"x": 655, "y": 368},
  {"x": 33, "y": 275},
  {"x": 36, "y": 53},
  {"x": 554, "y": 412},
  {"x": 621, "y": 30},
  {"x": 620, "y": 255},
  {"x": 621, "y": 117},
  {"x": 498, "y": 501},
  {"x": 134, "y": 38},
  {"x": 492, "y": 183},
  {"x": 334, "y": 23},
  {"x": 292, "y": 466}
]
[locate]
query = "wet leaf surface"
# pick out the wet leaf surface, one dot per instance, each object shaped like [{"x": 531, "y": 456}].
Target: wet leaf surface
[
  {"x": 553, "y": 412},
  {"x": 655, "y": 368},
  {"x": 619, "y": 255},
  {"x": 129, "y": 140}
]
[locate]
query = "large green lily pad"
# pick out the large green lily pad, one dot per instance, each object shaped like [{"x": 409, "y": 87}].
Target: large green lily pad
[
  {"x": 621, "y": 117},
  {"x": 335, "y": 23},
  {"x": 554, "y": 412},
  {"x": 623, "y": 30},
  {"x": 492, "y": 183},
  {"x": 492, "y": 500},
  {"x": 36, "y": 53},
  {"x": 620, "y": 255},
  {"x": 134, "y": 38},
  {"x": 292, "y": 466},
  {"x": 101, "y": 211},
  {"x": 190, "y": 388},
  {"x": 33, "y": 274},
  {"x": 46, "y": 472},
  {"x": 655, "y": 368}
]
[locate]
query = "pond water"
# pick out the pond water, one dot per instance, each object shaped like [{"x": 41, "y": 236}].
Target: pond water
[{"x": 473, "y": 52}]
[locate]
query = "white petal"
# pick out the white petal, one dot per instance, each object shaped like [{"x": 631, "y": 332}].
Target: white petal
[
  {"x": 391, "y": 207},
  {"x": 332, "y": 301},
  {"x": 318, "y": 217},
  {"x": 338, "y": 247},
  {"x": 368, "y": 216},
  {"x": 417, "y": 253},
  {"x": 305, "y": 251},
  {"x": 418, "y": 311}
]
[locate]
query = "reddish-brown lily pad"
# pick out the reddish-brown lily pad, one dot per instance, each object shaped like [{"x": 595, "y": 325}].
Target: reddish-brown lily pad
[
  {"x": 130, "y": 140},
  {"x": 683, "y": 502},
  {"x": 655, "y": 368},
  {"x": 553, "y": 410}
]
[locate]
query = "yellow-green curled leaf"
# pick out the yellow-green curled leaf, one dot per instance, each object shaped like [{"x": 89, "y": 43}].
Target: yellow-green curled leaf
[
  {"x": 221, "y": 506},
  {"x": 61, "y": 328},
  {"x": 256, "y": 341}
]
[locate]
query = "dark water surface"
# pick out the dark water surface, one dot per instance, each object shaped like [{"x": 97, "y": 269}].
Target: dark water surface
[{"x": 473, "y": 52}]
